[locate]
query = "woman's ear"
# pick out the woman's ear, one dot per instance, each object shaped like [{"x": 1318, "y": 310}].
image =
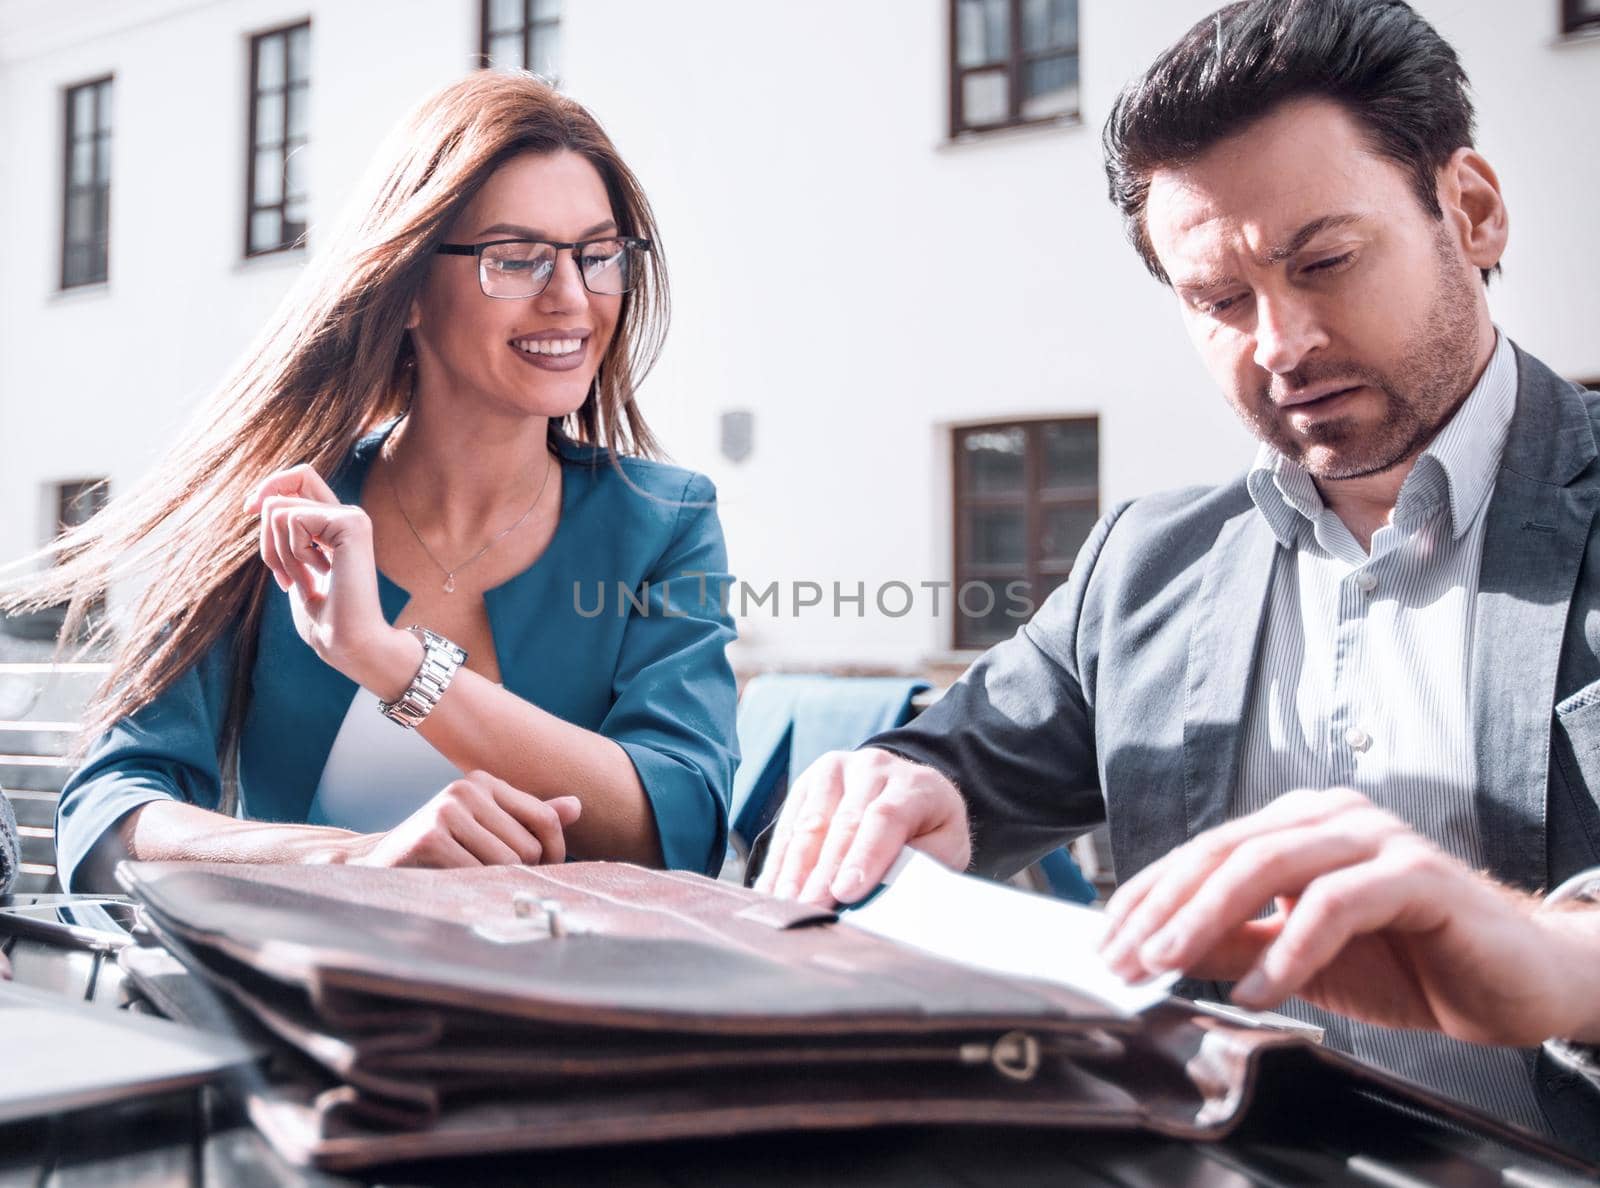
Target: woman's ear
[
  {"x": 414, "y": 315},
  {"x": 1469, "y": 194}
]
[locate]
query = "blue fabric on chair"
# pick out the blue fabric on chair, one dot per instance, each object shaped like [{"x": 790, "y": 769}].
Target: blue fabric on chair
[
  {"x": 787, "y": 721},
  {"x": 1065, "y": 879}
]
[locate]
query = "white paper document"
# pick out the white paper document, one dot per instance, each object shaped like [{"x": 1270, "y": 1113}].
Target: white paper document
[{"x": 1000, "y": 929}]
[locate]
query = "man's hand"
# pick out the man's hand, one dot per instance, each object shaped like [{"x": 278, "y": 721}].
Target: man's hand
[
  {"x": 847, "y": 817},
  {"x": 475, "y": 821},
  {"x": 1372, "y": 921}
]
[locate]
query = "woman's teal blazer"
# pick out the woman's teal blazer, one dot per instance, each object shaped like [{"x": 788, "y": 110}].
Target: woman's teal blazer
[{"x": 619, "y": 627}]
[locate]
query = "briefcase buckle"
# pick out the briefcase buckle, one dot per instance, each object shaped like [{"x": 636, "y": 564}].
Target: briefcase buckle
[
  {"x": 532, "y": 919},
  {"x": 1015, "y": 1055}
]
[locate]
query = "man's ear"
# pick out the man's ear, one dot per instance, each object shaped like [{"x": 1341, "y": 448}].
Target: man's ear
[{"x": 1469, "y": 195}]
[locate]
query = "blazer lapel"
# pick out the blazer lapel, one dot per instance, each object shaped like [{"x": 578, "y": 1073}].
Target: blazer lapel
[
  {"x": 1229, "y": 611},
  {"x": 1537, "y": 530}
]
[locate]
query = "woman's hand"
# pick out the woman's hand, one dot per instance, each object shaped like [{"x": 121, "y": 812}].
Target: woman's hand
[
  {"x": 320, "y": 552},
  {"x": 476, "y": 821}
]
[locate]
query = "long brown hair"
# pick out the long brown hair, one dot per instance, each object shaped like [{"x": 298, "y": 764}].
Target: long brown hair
[{"x": 334, "y": 362}]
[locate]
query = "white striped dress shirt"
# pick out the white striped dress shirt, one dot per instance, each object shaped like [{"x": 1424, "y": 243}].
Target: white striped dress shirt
[{"x": 1363, "y": 681}]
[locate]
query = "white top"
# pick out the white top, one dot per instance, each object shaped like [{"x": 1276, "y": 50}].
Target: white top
[
  {"x": 378, "y": 772},
  {"x": 1364, "y": 680}
]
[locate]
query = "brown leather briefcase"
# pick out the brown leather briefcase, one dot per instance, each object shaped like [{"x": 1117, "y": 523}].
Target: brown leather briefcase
[{"x": 429, "y": 1013}]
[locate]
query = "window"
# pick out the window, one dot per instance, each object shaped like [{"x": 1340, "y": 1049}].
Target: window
[
  {"x": 1012, "y": 62},
  {"x": 1027, "y": 495},
  {"x": 1580, "y": 16},
  {"x": 79, "y": 501},
  {"x": 86, "y": 196},
  {"x": 522, "y": 35},
  {"x": 280, "y": 83}
]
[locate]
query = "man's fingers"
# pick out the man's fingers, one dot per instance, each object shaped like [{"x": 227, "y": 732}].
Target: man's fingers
[
  {"x": 1181, "y": 875},
  {"x": 1334, "y": 910},
  {"x": 893, "y": 820},
  {"x": 1250, "y": 877},
  {"x": 1149, "y": 899},
  {"x": 778, "y": 848},
  {"x": 855, "y": 800},
  {"x": 809, "y": 820},
  {"x": 1238, "y": 951},
  {"x": 1214, "y": 841}
]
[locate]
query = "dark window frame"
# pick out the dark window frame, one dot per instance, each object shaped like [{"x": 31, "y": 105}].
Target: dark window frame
[
  {"x": 1013, "y": 66},
  {"x": 285, "y": 146},
  {"x": 101, "y": 89},
  {"x": 73, "y": 494},
  {"x": 528, "y": 27},
  {"x": 1034, "y": 499},
  {"x": 1574, "y": 20}
]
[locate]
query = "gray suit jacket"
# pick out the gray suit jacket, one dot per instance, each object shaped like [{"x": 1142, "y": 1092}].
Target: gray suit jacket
[{"x": 1124, "y": 698}]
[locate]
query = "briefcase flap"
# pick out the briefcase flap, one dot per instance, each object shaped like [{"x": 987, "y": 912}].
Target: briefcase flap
[{"x": 635, "y": 949}]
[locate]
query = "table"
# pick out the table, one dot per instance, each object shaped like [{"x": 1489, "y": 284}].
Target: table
[{"x": 1313, "y": 1131}]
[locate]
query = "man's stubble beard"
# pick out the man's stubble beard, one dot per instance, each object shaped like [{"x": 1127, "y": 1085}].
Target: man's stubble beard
[{"x": 1432, "y": 380}]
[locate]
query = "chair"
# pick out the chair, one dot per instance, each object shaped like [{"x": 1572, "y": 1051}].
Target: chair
[
  {"x": 41, "y": 705},
  {"x": 787, "y": 721}
]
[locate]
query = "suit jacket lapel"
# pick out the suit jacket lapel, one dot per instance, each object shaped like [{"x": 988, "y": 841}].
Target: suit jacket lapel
[
  {"x": 1534, "y": 541},
  {"x": 1230, "y": 611}
]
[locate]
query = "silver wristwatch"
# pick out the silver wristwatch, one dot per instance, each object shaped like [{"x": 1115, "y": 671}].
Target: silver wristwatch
[{"x": 440, "y": 660}]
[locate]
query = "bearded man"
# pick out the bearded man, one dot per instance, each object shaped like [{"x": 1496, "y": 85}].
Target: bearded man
[{"x": 1341, "y": 715}]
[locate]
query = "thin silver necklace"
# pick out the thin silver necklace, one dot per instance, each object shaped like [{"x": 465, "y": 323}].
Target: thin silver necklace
[{"x": 451, "y": 571}]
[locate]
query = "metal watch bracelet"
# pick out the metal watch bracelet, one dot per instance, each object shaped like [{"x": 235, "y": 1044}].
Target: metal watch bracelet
[{"x": 440, "y": 660}]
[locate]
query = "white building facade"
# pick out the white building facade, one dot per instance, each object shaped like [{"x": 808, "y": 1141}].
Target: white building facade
[{"x": 855, "y": 285}]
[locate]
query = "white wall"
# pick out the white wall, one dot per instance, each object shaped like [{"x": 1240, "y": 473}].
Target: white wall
[{"x": 787, "y": 146}]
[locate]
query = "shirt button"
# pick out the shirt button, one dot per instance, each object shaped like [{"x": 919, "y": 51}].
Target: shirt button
[
  {"x": 1358, "y": 738},
  {"x": 1367, "y": 581}
]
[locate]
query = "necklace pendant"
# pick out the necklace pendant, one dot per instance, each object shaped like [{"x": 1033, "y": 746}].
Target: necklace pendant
[{"x": 449, "y": 583}]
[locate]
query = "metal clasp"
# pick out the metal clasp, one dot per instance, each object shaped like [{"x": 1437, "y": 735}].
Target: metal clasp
[
  {"x": 532, "y": 918},
  {"x": 1015, "y": 1055},
  {"x": 523, "y": 906}
]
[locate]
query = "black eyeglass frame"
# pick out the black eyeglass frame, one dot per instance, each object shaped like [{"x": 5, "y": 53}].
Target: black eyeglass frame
[{"x": 477, "y": 250}]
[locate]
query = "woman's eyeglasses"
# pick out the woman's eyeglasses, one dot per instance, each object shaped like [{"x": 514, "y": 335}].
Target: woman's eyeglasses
[{"x": 514, "y": 268}]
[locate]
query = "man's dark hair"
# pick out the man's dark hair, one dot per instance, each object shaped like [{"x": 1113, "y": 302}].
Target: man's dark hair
[{"x": 1387, "y": 66}]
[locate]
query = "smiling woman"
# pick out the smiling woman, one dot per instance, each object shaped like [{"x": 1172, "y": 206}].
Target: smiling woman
[{"x": 364, "y": 642}]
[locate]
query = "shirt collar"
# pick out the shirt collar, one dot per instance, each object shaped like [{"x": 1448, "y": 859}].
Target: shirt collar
[{"x": 1457, "y": 468}]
